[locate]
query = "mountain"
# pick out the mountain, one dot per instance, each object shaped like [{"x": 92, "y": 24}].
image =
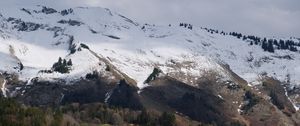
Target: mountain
[{"x": 56, "y": 57}]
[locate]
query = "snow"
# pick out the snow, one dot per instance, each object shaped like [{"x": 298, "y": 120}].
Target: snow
[
  {"x": 294, "y": 105},
  {"x": 29, "y": 81},
  {"x": 239, "y": 109},
  {"x": 135, "y": 54},
  {"x": 3, "y": 88},
  {"x": 175, "y": 50},
  {"x": 220, "y": 97},
  {"x": 107, "y": 96}
]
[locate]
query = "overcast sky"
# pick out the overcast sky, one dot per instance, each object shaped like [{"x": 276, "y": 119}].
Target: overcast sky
[{"x": 260, "y": 17}]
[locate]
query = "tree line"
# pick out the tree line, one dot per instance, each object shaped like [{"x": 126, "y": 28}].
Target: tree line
[{"x": 267, "y": 44}]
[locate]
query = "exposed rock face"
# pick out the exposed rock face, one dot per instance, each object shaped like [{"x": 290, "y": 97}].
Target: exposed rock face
[
  {"x": 66, "y": 12},
  {"x": 24, "y": 26},
  {"x": 198, "y": 104},
  {"x": 211, "y": 102},
  {"x": 90, "y": 90},
  {"x": 48, "y": 10},
  {"x": 220, "y": 102},
  {"x": 124, "y": 95},
  {"x": 70, "y": 22},
  {"x": 45, "y": 93}
]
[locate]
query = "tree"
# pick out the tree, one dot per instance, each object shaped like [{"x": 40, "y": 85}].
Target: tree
[
  {"x": 61, "y": 66},
  {"x": 167, "y": 119},
  {"x": 239, "y": 35},
  {"x": 264, "y": 40},
  {"x": 276, "y": 42},
  {"x": 93, "y": 75},
  {"x": 116, "y": 119},
  {"x": 281, "y": 44},
  {"x": 144, "y": 117},
  {"x": 64, "y": 62},
  {"x": 251, "y": 43},
  {"x": 59, "y": 61},
  {"x": 292, "y": 48},
  {"x": 264, "y": 46},
  {"x": 57, "y": 118},
  {"x": 21, "y": 66},
  {"x": 185, "y": 25},
  {"x": 69, "y": 63},
  {"x": 270, "y": 46},
  {"x": 155, "y": 73},
  {"x": 244, "y": 38}
]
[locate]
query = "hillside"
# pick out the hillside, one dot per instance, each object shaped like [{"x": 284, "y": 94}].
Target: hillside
[{"x": 91, "y": 54}]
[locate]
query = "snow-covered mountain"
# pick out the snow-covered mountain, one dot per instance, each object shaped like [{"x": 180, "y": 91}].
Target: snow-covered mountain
[
  {"x": 37, "y": 36},
  {"x": 32, "y": 38}
]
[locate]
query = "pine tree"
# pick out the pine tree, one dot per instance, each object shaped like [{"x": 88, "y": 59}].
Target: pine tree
[
  {"x": 59, "y": 61},
  {"x": 292, "y": 48},
  {"x": 264, "y": 46},
  {"x": 276, "y": 42},
  {"x": 64, "y": 62},
  {"x": 264, "y": 40},
  {"x": 244, "y": 38},
  {"x": 69, "y": 63},
  {"x": 61, "y": 66},
  {"x": 167, "y": 119},
  {"x": 281, "y": 44},
  {"x": 270, "y": 46},
  {"x": 240, "y": 36},
  {"x": 144, "y": 117}
]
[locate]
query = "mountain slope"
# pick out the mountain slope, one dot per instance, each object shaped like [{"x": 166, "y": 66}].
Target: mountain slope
[
  {"x": 106, "y": 48},
  {"x": 112, "y": 36}
]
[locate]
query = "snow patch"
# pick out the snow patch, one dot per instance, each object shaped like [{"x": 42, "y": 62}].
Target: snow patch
[{"x": 3, "y": 88}]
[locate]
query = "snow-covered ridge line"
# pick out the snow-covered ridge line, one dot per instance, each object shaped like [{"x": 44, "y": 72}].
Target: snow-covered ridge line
[{"x": 133, "y": 49}]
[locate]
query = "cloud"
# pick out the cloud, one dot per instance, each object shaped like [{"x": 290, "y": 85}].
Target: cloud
[{"x": 259, "y": 17}]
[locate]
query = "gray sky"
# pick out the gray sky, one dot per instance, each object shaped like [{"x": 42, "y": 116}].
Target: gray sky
[{"x": 259, "y": 17}]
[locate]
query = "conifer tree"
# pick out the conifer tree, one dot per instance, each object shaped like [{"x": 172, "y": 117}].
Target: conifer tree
[
  {"x": 270, "y": 46},
  {"x": 59, "y": 61},
  {"x": 64, "y": 62},
  {"x": 69, "y": 63},
  {"x": 264, "y": 46}
]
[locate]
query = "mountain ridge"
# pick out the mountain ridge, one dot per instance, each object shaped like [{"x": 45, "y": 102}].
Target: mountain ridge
[{"x": 112, "y": 57}]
